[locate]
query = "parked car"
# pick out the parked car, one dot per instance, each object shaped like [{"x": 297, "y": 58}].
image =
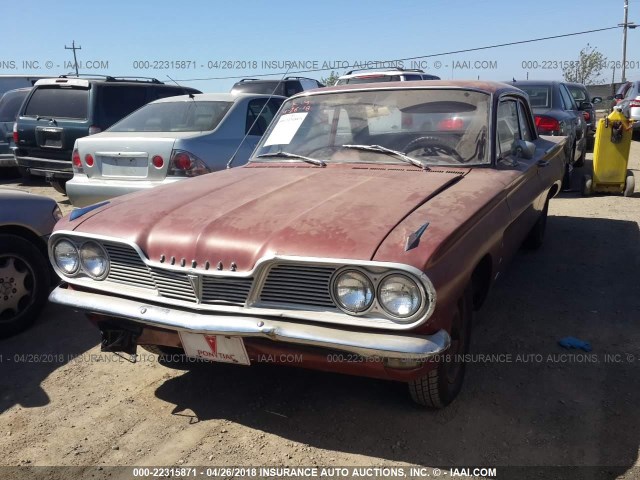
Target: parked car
[
  {"x": 335, "y": 247},
  {"x": 169, "y": 140},
  {"x": 556, "y": 113},
  {"x": 386, "y": 75},
  {"x": 9, "y": 105},
  {"x": 26, "y": 221},
  {"x": 621, "y": 92},
  {"x": 285, "y": 87},
  {"x": 14, "y": 82},
  {"x": 630, "y": 105},
  {"x": 586, "y": 103},
  {"x": 60, "y": 110}
]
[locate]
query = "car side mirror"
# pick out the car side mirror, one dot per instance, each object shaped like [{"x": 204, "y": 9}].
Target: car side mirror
[
  {"x": 618, "y": 96},
  {"x": 595, "y": 100},
  {"x": 586, "y": 106},
  {"x": 524, "y": 149}
]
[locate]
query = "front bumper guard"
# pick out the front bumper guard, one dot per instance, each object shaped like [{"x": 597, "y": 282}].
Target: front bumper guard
[{"x": 384, "y": 345}]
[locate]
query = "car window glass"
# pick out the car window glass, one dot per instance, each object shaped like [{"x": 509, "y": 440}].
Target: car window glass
[
  {"x": 525, "y": 125},
  {"x": 507, "y": 127},
  {"x": 292, "y": 87},
  {"x": 413, "y": 77},
  {"x": 539, "y": 96},
  {"x": 567, "y": 99},
  {"x": 578, "y": 94},
  {"x": 116, "y": 102},
  {"x": 258, "y": 118},
  {"x": 10, "y": 104},
  {"x": 57, "y": 102},
  {"x": 182, "y": 116},
  {"x": 374, "y": 78}
]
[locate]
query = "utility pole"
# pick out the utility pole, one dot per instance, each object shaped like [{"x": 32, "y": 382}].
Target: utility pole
[
  {"x": 627, "y": 24},
  {"x": 75, "y": 60}
]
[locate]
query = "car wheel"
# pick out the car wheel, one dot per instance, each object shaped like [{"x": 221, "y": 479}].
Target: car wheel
[
  {"x": 24, "y": 284},
  {"x": 566, "y": 178},
  {"x": 580, "y": 162},
  {"x": 629, "y": 184},
  {"x": 59, "y": 186},
  {"x": 587, "y": 186},
  {"x": 441, "y": 386},
  {"x": 536, "y": 236}
]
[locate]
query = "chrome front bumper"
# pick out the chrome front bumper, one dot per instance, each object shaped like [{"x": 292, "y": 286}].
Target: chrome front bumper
[{"x": 397, "y": 346}]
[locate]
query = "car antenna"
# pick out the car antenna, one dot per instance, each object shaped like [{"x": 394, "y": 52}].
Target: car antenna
[
  {"x": 233, "y": 157},
  {"x": 191, "y": 95}
]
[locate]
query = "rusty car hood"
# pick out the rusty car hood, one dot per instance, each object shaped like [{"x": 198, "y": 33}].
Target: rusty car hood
[{"x": 243, "y": 214}]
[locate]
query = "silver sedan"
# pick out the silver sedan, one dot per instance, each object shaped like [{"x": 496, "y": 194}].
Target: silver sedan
[{"x": 167, "y": 141}]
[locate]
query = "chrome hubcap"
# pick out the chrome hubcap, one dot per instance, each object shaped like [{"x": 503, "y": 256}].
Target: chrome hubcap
[{"x": 16, "y": 285}]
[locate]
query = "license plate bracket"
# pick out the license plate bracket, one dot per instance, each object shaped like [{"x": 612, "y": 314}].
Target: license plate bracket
[{"x": 215, "y": 348}]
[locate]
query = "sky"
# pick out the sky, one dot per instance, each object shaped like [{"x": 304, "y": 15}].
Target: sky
[{"x": 192, "y": 40}]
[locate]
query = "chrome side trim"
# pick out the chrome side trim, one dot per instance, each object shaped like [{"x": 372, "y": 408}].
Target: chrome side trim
[
  {"x": 259, "y": 272},
  {"x": 367, "y": 344}
]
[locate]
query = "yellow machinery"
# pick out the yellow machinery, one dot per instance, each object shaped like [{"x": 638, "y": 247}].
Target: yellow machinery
[{"x": 611, "y": 157}]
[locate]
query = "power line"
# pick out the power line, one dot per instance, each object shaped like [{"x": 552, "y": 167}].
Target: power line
[{"x": 453, "y": 52}]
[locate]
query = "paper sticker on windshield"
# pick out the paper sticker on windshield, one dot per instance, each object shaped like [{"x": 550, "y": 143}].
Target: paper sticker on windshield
[{"x": 285, "y": 129}]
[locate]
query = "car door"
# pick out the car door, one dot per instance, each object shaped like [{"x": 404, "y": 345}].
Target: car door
[{"x": 524, "y": 185}]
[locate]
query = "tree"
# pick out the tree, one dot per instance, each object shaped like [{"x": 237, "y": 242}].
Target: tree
[
  {"x": 587, "y": 68},
  {"x": 331, "y": 79}
]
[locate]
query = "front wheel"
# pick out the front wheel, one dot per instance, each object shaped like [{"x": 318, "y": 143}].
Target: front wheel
[
  {"x": 441, "y": 386},
  {"x": 24, "y": 284}
]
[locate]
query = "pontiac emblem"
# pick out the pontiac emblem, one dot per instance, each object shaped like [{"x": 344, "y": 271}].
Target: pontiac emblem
[{"x": 196, "y": 284}]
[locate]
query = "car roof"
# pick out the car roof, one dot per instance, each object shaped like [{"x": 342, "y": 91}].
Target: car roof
[
  {"x": 17, "y": 90},
  {"x": 215, "y": 97},
  {"x": 481, "y": 86}
]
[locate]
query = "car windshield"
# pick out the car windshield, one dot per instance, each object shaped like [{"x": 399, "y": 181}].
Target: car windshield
[
  {"x": 183, "y": 116},
  {"x": 431, "y": 126},
  {"x": 539, "y": 95}
]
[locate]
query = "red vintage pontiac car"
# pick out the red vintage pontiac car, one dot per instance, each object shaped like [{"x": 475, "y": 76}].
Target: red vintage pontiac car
[{"x": 369, "y": 224}]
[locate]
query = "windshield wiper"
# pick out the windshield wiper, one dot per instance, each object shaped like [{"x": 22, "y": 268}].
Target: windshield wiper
[
  {"x": 379, "y": 148},
  {"x": 313, "y": 161},
  {"x": 51, "y": 119}
]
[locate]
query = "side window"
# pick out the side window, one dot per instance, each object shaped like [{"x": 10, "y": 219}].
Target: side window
[
  {"x": 507, "y": 127},
  {"x": 526, "y": 132},
  {"x": 412, "y": 77},
  {"x": 258, "y": 118},
  {"x": 292, "y": 87},
  {"x": 116, "y": 102},
  {"x": 567, "y": 99}
]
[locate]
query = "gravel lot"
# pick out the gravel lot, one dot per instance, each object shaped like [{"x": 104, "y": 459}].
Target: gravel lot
[{"x": 79, "y": 408}]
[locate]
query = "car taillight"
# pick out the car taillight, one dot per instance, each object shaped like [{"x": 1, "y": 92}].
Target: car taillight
[
  {"x": 635, "y": 103},
  {"x": 94, "y": 129},
  {"x": 88, "y": 159},
  {"x": 587, "y": 116},
  {"x": 547, "y": 123},
  {"x": 157, "y": 161},
  {"x": 77, "y": 163},
  {"x": 185, "y": 164},
  {"x": 453, "y": 123},
  {"x": 15, "y": 133}
]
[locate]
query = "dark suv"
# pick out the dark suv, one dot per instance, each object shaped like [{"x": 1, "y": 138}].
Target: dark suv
[
  {"x": 60, "y": 110},
  {"x": 285, "y": 87}
]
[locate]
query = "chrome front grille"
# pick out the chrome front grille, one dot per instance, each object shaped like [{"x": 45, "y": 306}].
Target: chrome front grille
[
  {"x": 127, "y": 267},
  {"x": 299, "y": 284},
  {"x": 226, "y": 290},
  {"x": 173, "y": 284}
]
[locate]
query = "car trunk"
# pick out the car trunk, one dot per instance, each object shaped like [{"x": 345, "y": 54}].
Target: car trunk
[{"x": 128, "y": 156}]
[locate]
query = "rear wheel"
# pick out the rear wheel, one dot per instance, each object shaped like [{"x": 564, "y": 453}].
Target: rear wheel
[
  {"x": 629, "y": 184},
  {"x": 441, "y": 386},
  {"x": 24, "y": 284},
  {"x": 59, "y": 186}
]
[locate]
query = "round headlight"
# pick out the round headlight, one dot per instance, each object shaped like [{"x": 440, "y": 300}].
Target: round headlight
[
  {"x": 353, "y": 291},
  {"x": 66, "y": 256},
  {"x": 399, "y": 296},
  {"x": 94, "y": 259}
]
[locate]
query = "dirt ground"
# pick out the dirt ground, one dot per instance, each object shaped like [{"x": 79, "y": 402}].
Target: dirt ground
[{"x": 62, "y": 403}]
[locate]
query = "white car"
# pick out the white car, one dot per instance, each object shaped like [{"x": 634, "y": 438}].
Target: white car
[
  {"x": 630, "y": 105},
  {"x": 167, "y": 141},
  {"x": 387, "y": 75}
]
